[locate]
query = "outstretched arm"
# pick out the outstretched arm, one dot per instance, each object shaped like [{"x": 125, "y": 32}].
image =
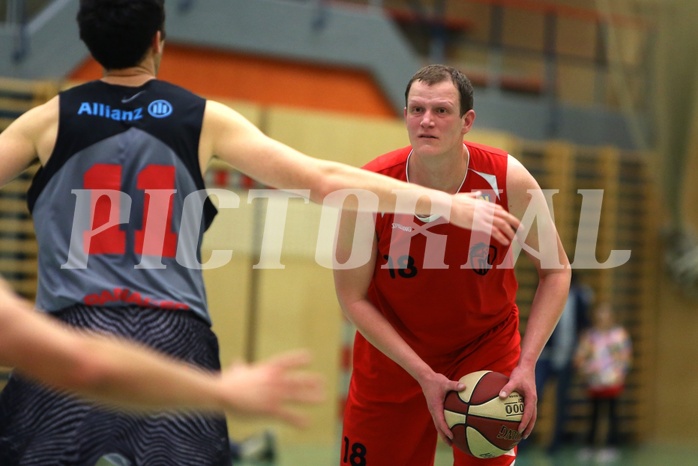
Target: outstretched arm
[
  {"x": 118, "y": 372},
  {"x": 238, "y": 142}
]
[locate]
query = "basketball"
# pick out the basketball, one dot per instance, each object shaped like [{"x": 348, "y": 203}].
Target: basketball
[{"x": 484, "y": 425}]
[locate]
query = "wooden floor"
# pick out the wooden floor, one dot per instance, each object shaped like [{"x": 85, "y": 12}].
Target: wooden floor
[{"x": 649, "y": 455}]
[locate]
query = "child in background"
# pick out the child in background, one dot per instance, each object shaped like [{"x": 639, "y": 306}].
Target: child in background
[{"x": 603, "y": 359}]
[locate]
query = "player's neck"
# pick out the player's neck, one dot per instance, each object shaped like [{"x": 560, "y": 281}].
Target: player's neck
[
  {"x": 445, "y": 173},
  {"x": 133, "y": 76}
]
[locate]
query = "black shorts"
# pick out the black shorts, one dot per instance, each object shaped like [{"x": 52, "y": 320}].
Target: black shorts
[{"x": 41, "y": 427}]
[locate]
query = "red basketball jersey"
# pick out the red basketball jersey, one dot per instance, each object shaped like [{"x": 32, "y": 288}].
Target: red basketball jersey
[{"x": 440, "y": 286}]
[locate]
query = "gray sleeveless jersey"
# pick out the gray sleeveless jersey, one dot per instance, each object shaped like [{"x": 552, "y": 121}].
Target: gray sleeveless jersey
[{"x": 120, "y": 208}]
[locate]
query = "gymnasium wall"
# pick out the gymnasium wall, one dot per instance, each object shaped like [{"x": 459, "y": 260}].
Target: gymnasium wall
[
  {"x": 675, "y": 164},
  {"x": 224, "y": 74}
]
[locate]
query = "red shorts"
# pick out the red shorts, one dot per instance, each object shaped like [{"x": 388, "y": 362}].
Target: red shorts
[{"x": 386, "y": 420}]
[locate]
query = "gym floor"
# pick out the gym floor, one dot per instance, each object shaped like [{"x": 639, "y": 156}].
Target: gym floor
[{"x": 648, "y": 455}]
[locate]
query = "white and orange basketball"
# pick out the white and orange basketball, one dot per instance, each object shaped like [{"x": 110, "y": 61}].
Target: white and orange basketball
[{"x": 484, "y": 425}]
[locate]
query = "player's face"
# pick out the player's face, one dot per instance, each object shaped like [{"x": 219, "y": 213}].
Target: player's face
[{"x": 433, "y": 120}]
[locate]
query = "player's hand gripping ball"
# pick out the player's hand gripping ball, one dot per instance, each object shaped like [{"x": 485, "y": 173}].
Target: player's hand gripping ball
[{"x": 484, "y": 425}]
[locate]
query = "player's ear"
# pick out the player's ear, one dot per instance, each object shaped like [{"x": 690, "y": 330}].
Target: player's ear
[
  {"x": 158, "y": 41},
  {"x": 468, "y": 120}
]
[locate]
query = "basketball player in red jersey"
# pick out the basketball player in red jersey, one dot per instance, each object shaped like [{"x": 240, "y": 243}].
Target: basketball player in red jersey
[{"x": 436, "y": 302}]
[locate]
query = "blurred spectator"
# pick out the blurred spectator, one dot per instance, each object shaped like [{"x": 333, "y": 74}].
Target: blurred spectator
[{"x": 603, "y": 359}]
